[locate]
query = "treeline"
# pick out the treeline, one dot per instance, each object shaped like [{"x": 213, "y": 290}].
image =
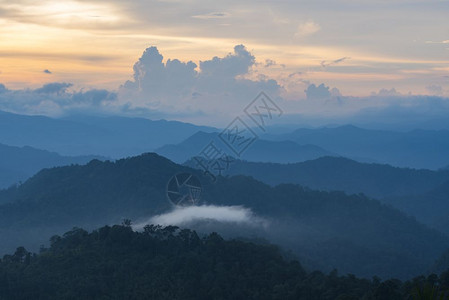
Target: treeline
[{"x": 171, "y": 263}]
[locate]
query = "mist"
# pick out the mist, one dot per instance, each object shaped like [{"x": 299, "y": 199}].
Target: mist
[{"x": 184, "y": 216}]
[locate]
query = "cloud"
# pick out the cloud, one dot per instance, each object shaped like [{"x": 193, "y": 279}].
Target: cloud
[
  {"x": 228, "y": 67},
  {"x": 439, "y": 42},
  {"x": 269, "y": 63},
  {"x": 321, "y": 92},
  {"x": 307, "y": 29},
  {"x": 404, "y": 111},
  {"x": 295, "y": 74},
  {"x": 434, "y": 89},
  {"x": 214, "y": 15},
  {"x": 387, "y": 93},
  {"x": 213, "y": 92},
  {"x": 218, "y": 84},
  {"x": 377, "y": 56},
  {"x": 3, "y": 88},
  {"x": 326, "y": 63},
  {"x": 53, "y": 88},
  {"x": 158, "y": 84},
  {"x": 71, "y": 14},
  {"x": 335, "y": 92},
  {"x": 47, "y": 71},
  {"x": 183, "y": 216},
  {"x": 387, "y": 108},
  {"x": 93, "y": 97},
  {"x": 314, "y": 92},
  {"x": 55, "y": 99}
]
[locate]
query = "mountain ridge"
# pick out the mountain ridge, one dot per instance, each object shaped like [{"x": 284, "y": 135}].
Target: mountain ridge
[
  {"x": 325, "y": 229},
  {"x": 260, "y": 150},
  {"x": 89, "y": 135},
  {"x": 415, "y": 148},
  {"x": 19, "y": 163},
  {"x": 339, "y": 173}
]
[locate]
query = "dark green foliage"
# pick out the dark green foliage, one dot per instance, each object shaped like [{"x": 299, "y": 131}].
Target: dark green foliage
[
  {"x": 419, "y": 193},
  {"x": 442, "y": 263},
  {"x": 92, "y": 192},
  {"x": 168, "y": 263},
  {"x": 352, "y": 233},
  {"x": 158, "y": 263},
  {"x": 325, "y": 230}
]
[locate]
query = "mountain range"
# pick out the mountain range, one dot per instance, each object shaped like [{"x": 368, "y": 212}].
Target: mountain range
[
  {"x": 19, "y": 163},
  {"x": 109, "y": 136},
  {"x": 342, "y": 174},
  {"x": 116, "y": 137},
  {"x": 261, "y": 150},
  {"x": 324, "y": 230},
  {"x": 423, "y": 194},
  {"x": 415, "y": 149},
  {"x": 429, "y": 207}
]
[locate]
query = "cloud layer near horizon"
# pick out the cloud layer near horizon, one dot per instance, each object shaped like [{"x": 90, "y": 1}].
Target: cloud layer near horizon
[
  {"x": 217, "y": 90},
  {"x": 55, "y": 99}
]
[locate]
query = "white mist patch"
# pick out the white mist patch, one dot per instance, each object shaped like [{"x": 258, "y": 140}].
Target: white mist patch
[{"x": 181, "y": 216}]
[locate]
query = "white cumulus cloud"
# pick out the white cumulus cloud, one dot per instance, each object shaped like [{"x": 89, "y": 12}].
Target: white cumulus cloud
[{"x": 217, "y": 84}]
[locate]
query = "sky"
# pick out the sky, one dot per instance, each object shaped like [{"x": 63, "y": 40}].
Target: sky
[{"x": 195, "y": 60}]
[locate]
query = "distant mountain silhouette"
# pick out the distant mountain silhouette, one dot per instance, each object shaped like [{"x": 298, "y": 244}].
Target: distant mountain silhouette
[
  {"x": 261, "y": 150},
  {"x": 415, "y": 149},
  {"x": 325, "y": 229},
  {"x": 342, "y": 174},
  {"x": 83, "y": 135},
  {"x": 430, "y": 207},
  {"x": 19, "y": 163}
]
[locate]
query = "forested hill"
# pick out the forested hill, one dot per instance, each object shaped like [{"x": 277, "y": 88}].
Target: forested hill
[
  {"x": 430, "y": 208},
  {"x": 168, "y": 263},
  {"x": 325, "y": 229},
  {"x": 420, "y": 193},
  {"x": 342, "y": 174}
]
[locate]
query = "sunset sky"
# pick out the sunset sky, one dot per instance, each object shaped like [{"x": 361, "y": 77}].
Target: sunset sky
[{"x": 357, "y": 47}]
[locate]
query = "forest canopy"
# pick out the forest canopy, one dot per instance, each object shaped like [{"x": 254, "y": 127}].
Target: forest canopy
[{"x": 172, "y": 263}]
